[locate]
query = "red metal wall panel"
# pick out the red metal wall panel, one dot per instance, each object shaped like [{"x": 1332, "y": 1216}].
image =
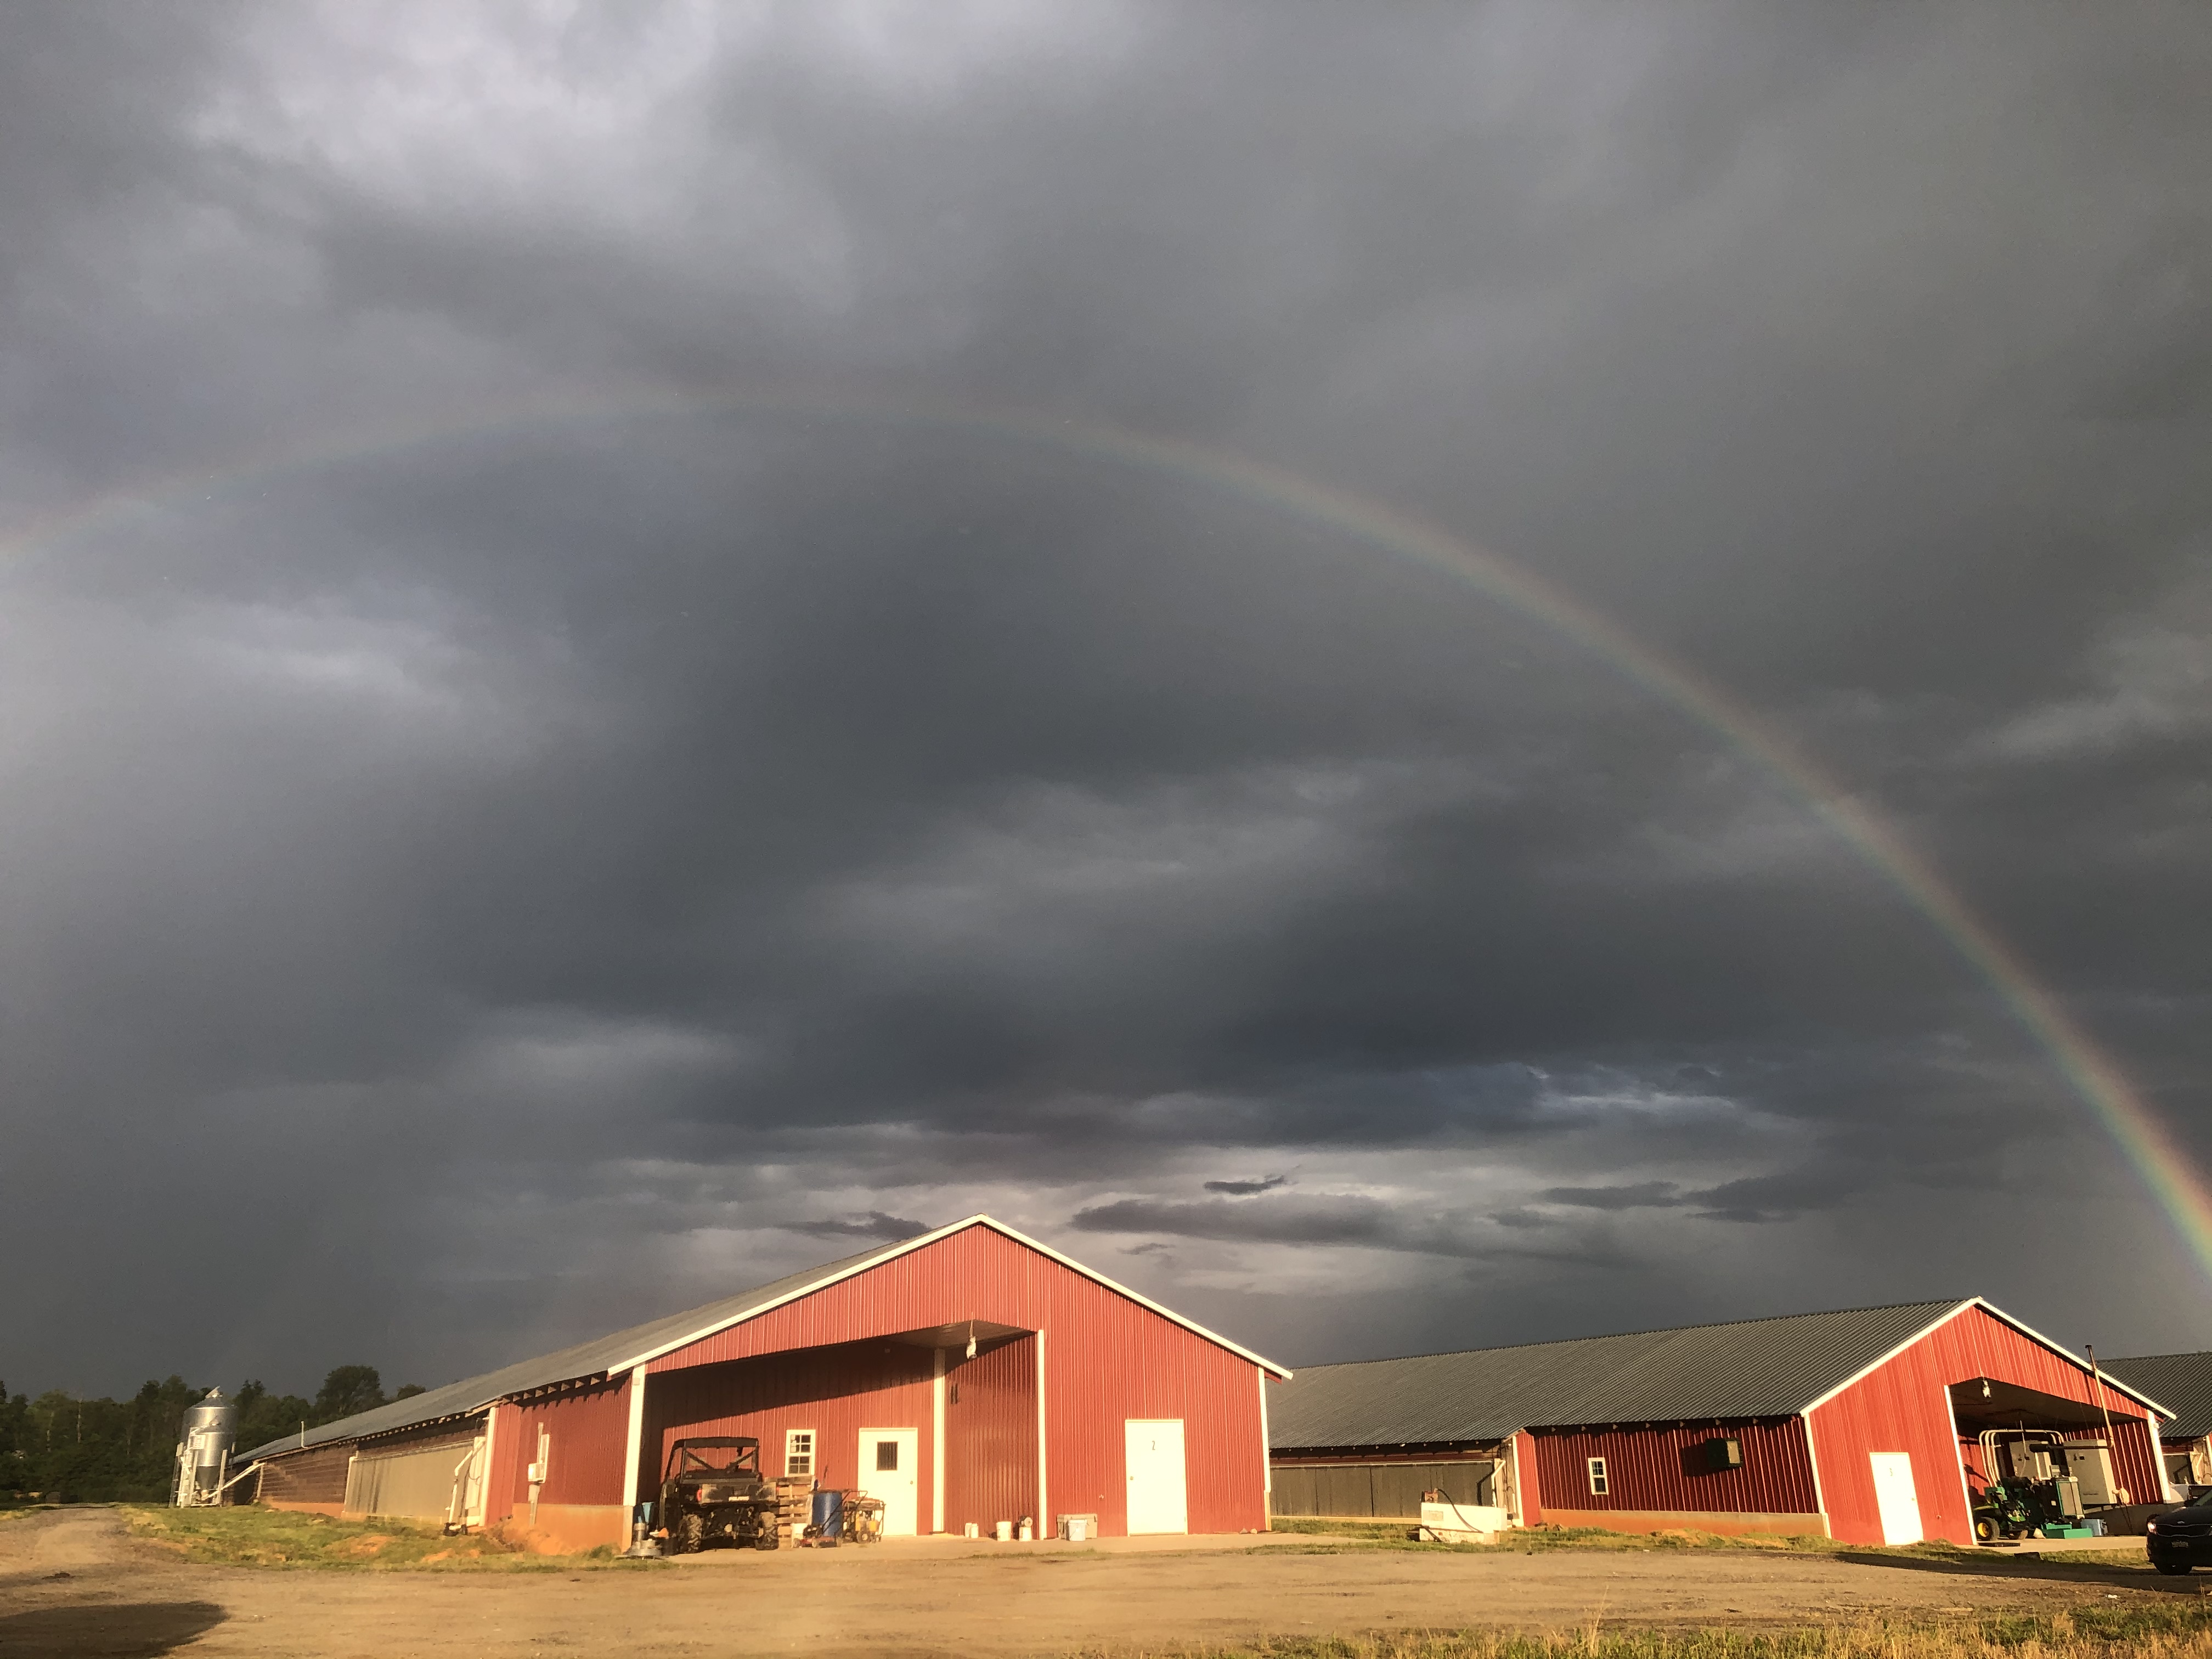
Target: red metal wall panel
[
  {"x": 835, "y": 1392},
  {"x": 1108, "y": 1358},
  {"x": 1903, "y": 1406},
  {"x": 990, "y": 1432},
  {"x": 503, "y": 1476},
  {"x": 1660, "y": 1467},
  {"x": 587, "y": 1433}
]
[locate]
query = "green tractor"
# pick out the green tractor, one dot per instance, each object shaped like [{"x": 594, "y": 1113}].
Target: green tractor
[
  {"x": 2034, "y": 1495},
  {"x": 2016, "y": 1509}
]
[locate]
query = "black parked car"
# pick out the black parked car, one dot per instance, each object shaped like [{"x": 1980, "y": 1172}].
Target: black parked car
[
  {"x": 2181, "y": 1537},
  {"x": 714, "y": 1492}
]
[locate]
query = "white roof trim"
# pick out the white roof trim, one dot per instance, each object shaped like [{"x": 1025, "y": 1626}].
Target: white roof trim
[
  {"x": 2000, "y": 1315},
  {"x": 892, "y": 1252}
]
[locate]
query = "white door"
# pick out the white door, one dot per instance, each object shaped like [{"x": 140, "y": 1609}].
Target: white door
[
  {"x": 1894, "y": 1494},
  {"x": 1154, "y": 1453},
  {"x": 891, "y": 1468}
]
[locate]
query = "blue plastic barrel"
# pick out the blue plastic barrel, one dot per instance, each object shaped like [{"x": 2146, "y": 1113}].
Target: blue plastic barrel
[{"x": 829, "y": 1515}]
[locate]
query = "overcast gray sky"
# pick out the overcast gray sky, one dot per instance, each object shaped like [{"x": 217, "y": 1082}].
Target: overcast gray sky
[{"x": 458, "y": 896}]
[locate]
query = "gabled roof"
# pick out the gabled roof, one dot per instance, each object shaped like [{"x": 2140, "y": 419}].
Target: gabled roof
[
  {"x": 609, "y": 1356},
  {"x": 2181, "y": 1381},
  {"x": 1743, "y": 1369}
]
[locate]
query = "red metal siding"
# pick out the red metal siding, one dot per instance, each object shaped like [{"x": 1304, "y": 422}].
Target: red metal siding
[
  {"x": 990, "y": 1431},
  {"x": 1903, "y": 1406},
  {"x": 1108, "y": 1358},
  {"x": 588, "y": 1438},
  {"x": 504, "y": 1477},
  {"x": 835, "y": 1392},
  {"x": 1657, "y": 1468}
]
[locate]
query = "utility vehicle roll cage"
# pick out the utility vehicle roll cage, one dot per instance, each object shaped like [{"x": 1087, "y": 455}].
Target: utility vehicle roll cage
[{"x": 687, "y": 1454}]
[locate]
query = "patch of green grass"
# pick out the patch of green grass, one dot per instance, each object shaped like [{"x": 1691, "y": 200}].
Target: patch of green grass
[{"x": 250, "y": 1536}]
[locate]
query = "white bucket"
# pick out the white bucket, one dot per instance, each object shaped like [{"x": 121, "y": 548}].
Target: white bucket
[
  {"x": 1079, "y": 1529},
  {"x": 973, "y": 1530},
  {"x": 1028, "y": 1533},
  {"x": 1004, "y": 1531}
]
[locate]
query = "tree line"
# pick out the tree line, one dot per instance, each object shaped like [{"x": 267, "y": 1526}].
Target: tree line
[{"x": 61, "y": 1449}]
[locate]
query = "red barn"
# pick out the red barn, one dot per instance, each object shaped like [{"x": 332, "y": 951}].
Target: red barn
[
  {"x": 968, "y": 1374},
  {"x": 1862, "y": 1426}
]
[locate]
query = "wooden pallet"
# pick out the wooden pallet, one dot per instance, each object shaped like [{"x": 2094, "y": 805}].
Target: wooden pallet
[{"x": 794, "y": 1501}]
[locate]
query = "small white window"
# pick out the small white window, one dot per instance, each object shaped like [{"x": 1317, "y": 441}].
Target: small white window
[
  {"x": 799, "y": 1452},
  {"x": 1598, "y": 1477}
]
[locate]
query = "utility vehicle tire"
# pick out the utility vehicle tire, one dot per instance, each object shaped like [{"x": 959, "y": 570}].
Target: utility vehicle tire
[
  {"x": 689, "y": 1535},
  {"x": 2175, "y": 1569},
  {"x": 1985, "y": 1527},
  {"x": 766, "y": 1539}
]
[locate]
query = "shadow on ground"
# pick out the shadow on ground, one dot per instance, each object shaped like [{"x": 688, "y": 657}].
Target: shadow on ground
[
  {"x": 106, "y": 1630},
  {"x": 2060, "y": 1571}
]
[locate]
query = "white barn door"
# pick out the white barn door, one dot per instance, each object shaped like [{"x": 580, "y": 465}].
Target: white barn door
[
  {"x": 1157, "y": 1496},
  {"x": 1896, "y": 1496},
  {"x": 891, "y": 1468}
]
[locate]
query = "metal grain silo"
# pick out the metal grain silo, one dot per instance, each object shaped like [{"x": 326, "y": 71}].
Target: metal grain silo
[{"x": 203, "y": 1452}]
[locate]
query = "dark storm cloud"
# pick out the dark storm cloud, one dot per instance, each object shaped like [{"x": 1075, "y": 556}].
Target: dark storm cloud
[
  {"x": 469, "y": 894},
  {"x": 1328, "y": 1220},
  {"x": 874, "y": 1224},
  {"x": 1640, "y": 1195}
]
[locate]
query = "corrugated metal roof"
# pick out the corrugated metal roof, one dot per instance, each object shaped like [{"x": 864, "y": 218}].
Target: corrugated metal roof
[
  {"x": 2182, "y": 1382},
  {"x": 585, "y": 1359},
  {"x": 1746, "y": 1368}
]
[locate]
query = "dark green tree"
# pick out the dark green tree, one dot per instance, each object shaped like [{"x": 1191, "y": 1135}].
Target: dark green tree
[
  {"x": 264, "y": 1417},
  {"x": 347, "y": 1389}
]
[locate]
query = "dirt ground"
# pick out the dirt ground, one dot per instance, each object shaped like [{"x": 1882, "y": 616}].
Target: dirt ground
[{"x": 73, "y": 1582}]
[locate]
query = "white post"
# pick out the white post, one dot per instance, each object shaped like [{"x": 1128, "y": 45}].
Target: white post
[
  {"x": 489, "y": 1496},
  {"x": 1044, "y": 1501},
  {"x": 936, "y": 1441},
  {"x": 1266, "y": 1458},
  {"x": 636, "y": 1441}
]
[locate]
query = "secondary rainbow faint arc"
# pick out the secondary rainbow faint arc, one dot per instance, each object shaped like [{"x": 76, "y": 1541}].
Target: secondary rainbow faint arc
[{"x": 2145, "y": 1142}]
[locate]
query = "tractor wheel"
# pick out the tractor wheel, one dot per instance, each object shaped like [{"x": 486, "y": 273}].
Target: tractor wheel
[
  {"x": 2174, "y": 1569},
  {"x": 765, "y": 1539},
  {"x": 689, "y": 1535},
  {"x": 1985, "y": 1527}
]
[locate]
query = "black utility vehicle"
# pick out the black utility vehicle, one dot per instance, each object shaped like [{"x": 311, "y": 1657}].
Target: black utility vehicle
[
  {"x": 2181, "y": 1539},
  {"x": 713, "y": 1491}
]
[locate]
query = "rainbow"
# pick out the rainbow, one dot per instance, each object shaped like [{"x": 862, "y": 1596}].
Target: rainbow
[{"x": 2145, "y": 1142}]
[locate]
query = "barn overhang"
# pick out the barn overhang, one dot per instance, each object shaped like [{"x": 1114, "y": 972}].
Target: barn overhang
[{"x": 1985, "y": 1402}]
